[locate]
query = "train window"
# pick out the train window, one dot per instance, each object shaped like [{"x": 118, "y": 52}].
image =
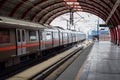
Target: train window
[
  {"x": 48, "y": 35},
  {"x": 4, "y": 36},
  {"x": 55, "y": 35},
  {"x": 18, "y": 35},
  {"x": 65, "y": 35},
  {"x": 32, "y": 36},
  {"x": 69, "y": 34},
  {"x": 23, "y": 35},
  {"x": 41, "y": 36}
]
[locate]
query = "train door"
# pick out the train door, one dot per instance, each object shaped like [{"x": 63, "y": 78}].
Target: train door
[
  {"x": 55, "y": 39},
  {"x": 21, "y": 41},
  {"x": 60, "y": 38},
  {"x": 42, "y": 40}
]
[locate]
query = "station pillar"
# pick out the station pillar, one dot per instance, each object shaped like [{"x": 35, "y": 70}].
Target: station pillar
[
  {"x": 118, "y": 35},
  {"x": 113, "y": 35}
]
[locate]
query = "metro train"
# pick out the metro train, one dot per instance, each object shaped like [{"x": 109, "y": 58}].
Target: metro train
[{"x": 21, "y": 39}]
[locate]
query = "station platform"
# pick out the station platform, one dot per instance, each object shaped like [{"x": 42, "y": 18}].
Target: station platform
[{"x": 102, "y": 63}]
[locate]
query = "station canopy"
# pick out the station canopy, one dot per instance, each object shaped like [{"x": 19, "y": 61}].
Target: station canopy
[{"x": 44, "y": 11}]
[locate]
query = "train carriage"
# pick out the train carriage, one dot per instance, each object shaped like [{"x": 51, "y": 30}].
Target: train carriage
[{"x": 17, "y": 38}]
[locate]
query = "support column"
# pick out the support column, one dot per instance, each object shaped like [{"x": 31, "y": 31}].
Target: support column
[
  {"x": 118, "y": 34},
  {"x": 111, "y": 34},
  {"x": 115, "y": 35}
]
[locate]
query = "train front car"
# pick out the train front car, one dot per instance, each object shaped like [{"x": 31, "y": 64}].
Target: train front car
[{"x": 18, "y": 39}]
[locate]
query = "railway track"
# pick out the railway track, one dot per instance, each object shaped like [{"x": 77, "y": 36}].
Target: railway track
[
  {"x": 35, "y": 73},
  {"x": 55, "y": 70},
  {"x": 46, "y": 72},
  {"x": 10, "y": 71}
]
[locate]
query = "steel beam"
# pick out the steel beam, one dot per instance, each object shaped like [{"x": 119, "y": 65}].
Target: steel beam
[{"x": 113, "y": 10}]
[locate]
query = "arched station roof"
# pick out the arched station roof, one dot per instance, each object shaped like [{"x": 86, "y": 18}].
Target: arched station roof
[{"x": 44, "y": 11}]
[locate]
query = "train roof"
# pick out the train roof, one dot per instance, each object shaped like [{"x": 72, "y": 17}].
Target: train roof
[{"x": 18, "y": 23}]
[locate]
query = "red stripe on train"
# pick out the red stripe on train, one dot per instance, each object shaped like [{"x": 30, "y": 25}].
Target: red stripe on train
[
  {"x": 26, "y": 45},
  {"x": 7, "y": 48},
  {"x": 21, "y": 46}
]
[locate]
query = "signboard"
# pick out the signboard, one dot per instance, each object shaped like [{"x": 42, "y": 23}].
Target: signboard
[{"x": 106, "y": 25}]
